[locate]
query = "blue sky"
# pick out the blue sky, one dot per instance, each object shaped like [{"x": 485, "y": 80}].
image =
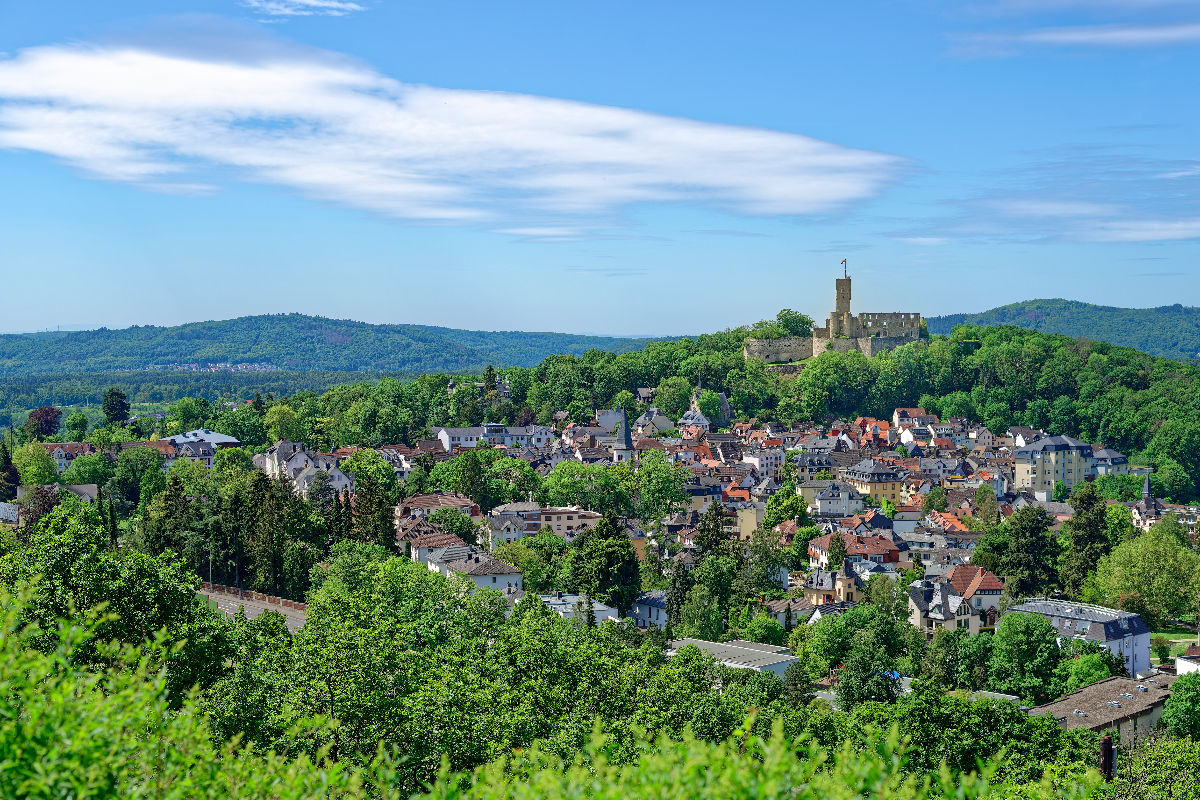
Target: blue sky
[{"x": 644, "y": 168}]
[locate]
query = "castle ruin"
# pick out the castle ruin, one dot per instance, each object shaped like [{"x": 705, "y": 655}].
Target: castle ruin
[{"x": 869, "y": 334}]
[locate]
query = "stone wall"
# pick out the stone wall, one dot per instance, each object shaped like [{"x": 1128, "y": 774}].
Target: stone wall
[
  {"x": 785, "y": 369},
  {"x": 867, "y": 345},
  {"x": 891, "y": 325},
  {"x": 873, "y": 346},
  {"x": 779, "y": 351}
]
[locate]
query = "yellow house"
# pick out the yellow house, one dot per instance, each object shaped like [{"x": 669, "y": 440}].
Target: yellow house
[{"x": 876, "y": 479}]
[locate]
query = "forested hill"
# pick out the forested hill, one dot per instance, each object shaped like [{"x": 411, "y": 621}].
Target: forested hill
[
  {"x": 1169, "y": 331},
  {"x": 291, "y": 342}
]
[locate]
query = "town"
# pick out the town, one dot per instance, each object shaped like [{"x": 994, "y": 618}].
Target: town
[{"x": 748, "y": 541}]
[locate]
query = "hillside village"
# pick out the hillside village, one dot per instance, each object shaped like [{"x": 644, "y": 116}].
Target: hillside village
[{"x": 848, "y": 505}]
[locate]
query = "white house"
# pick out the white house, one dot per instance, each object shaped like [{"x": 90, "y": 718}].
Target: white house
[
  {"x": 650, "y": 608},
  {"x": 1121, "y": 632},
  {"x": 740, "y": 654}
]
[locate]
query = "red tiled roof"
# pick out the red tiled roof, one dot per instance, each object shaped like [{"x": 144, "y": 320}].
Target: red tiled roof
[
  {"x": 968, "y": 579},
  {"x": 857, "y": 545}
]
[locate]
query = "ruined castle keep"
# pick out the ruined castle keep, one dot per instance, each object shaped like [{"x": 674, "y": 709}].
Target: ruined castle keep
[{"x": 867, "y": 333}]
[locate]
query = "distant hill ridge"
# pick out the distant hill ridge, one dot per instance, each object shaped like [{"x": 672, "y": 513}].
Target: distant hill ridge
[
  {"x": 1170, "y": 331},
  {"x": 290, "y": 342}
]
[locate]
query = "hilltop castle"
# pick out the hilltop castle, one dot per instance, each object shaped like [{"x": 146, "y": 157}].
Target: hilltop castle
[{"x": 869, "y": 334}]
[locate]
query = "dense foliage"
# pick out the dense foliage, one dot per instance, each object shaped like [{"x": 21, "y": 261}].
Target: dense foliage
[
  {"x": 288, "y": 341},
  {"x": 1169, "y": 331},
  {"x": 433, "y": 669}
]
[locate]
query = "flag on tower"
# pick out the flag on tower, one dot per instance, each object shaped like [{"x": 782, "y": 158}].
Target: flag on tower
[{"x": 843, "y": 261}]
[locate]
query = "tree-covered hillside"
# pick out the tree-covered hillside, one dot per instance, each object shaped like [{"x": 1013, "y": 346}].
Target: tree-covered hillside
[
  {"x": 1169, "y": 331},
  {"x": 291, "y": 342}
]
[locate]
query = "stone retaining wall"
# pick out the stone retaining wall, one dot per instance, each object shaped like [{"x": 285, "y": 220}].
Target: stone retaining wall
[{"x": 242, "y": 594}]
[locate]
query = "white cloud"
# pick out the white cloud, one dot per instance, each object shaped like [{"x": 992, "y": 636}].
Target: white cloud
[
  {"x": 1123, "y": 35},
  {"x": 1032, "y": 207},
  {"x": 1146, "y": 230},
  {"x": 925, "y": 241},
  {"x": 342, "y": 133},
  {"x": 303, "y": 8}
]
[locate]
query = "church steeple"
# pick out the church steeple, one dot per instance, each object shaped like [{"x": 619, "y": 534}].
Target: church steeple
[{"x": 1146, "y": 488}]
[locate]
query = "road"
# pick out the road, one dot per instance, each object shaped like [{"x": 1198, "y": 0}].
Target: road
[{"x": 230, "y": 603}]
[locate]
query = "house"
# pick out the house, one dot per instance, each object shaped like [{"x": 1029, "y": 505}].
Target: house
[
  {"x": 830, "y": 610},
  {"x": 609, "y": 419},
  {"x": 1121, "y": 632},
  {"x": 1130, "y": 706},
  {"x": 937, "y": 605},
  {"x": 1038, "y": 466},
  {"x": 217, "y": 440},
  {"x": 422, "y": 505},
  {"x": 296, "y": 463},
  {"x": 876, "y": 479},
  {"x": 1023, "y": 436},
  {"x": 833, "y": 586},
  {"x": 650, "y": 608},
  {"x": 568, "y": 521},
  {"x": 739, "y": 654},
  {"x": 496, "y": 435},
  {"x": 793, "y": 610},
  {"x": 765, "y": 461},
  {"x": 422, "y": 546},
  {"x": 809, "y": 465},
  {"x": 914, "y": 417},
  {"x": 881, "y": 549},
  {"x": 652, "y": 423},
  {"x": 1189, "y": 661},
  {"x": 567, "y": 606},
  {"x": 481, "y": 569},
  {"x": 1106, "y": 461},
  {"x": 830, "y": 498},
  {"x": 64, "y": 453},
  {"x": 695, "y": 419},
  {"x": 980, "y": 588},
  {"x": 1148, "y": 510}
]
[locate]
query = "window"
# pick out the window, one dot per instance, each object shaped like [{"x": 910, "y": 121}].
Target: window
[{"x": 493, "y": 579}]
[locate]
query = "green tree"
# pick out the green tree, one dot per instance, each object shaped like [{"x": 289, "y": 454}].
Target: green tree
[
  {"x": 710, "y": 529},
  {"x": 453, "y": 520},
  {"x": 869, "y": 673},
  {"x": 710, "y": 405},
  {"x": 672, "y": 396},
  {"x": 283, "y": 422},
  {"x": 785, "y": 504},
  {"x": 75, "y": 426},
  {"x": 1086, "y": 537},
  {"x": 660, "y": 487},
  {"x": 837, "y": 551},
  {"x": 35, "y": 465},
  {"x": 88, "y": 468},
  {"x": 603, "y": 564},
  {"x": 765, "y": 629},
  {"x": 116, "y": 406},
  {"x": 987, "y": 510},
  {"x": 1181, "y": 714},
  {"x": 1155, "y": 567},
  {"x": 935, "y": 500},
  {"x": 700, "y": 617},
  {"x": 1025, "y": 655},
  {"x": 1022, "y": 551}
]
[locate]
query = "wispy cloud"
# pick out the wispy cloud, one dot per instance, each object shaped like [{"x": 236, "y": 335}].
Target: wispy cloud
[
  {"x": 340, "y": 132},
  {"x": 1112, "y": 36},
  {"x": 303, "y": 8},
  {"x": 1077, "y": 194}
]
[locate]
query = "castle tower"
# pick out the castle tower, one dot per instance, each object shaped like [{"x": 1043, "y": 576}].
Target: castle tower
[{"x": 842, "y": 296}]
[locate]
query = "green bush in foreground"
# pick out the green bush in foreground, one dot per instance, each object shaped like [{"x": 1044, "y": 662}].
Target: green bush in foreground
[{"x": 104, "y": 728}]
